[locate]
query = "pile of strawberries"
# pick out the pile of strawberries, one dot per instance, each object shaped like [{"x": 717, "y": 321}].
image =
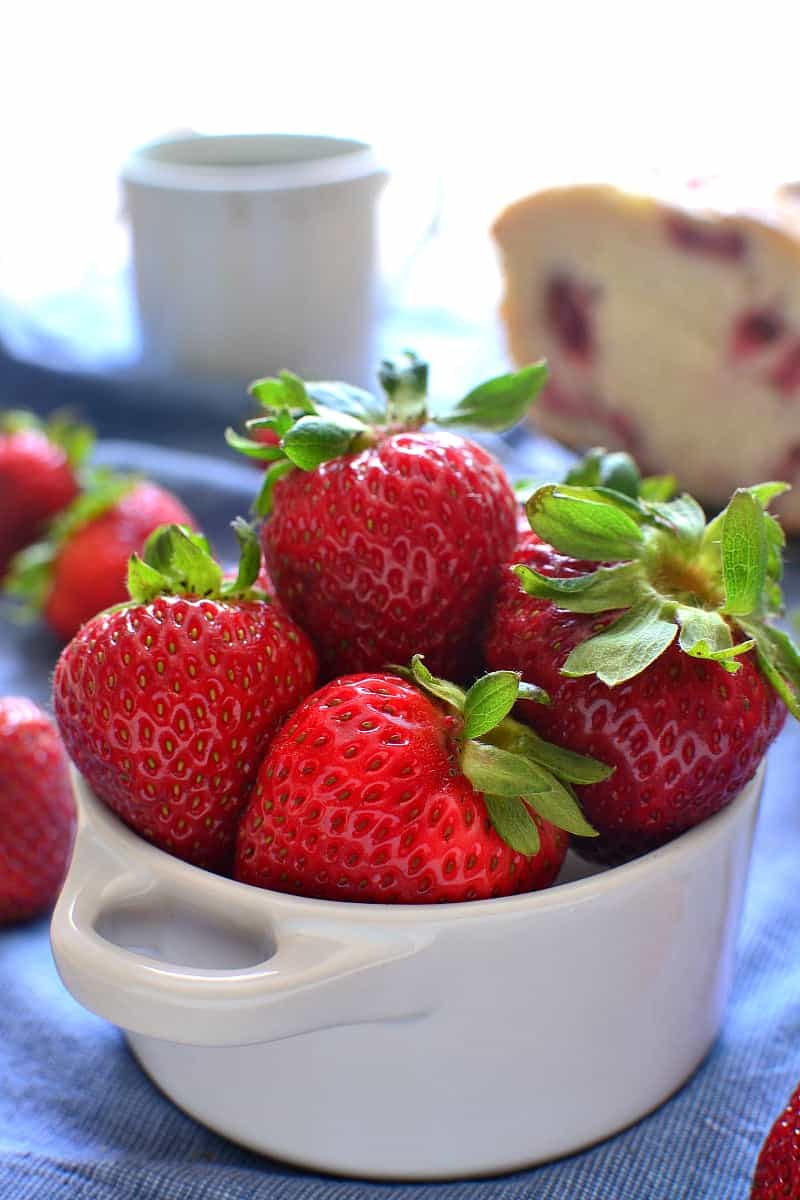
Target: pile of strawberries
[
  {"x": 414, "y": 689},
  {"x": 634, "y": 678}
]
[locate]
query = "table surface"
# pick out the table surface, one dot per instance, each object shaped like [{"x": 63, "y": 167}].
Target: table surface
[{"x": 79, "y": 1119}]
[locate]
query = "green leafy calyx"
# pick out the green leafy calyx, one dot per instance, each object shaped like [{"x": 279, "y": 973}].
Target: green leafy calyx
[
  {"x": 664, "y": 573},
  {"x": 518, "y": 772},
  {"x": 311, "y": 423},
  {"x": 30, "y": 573},
  {"x": 177, "y": 561}
]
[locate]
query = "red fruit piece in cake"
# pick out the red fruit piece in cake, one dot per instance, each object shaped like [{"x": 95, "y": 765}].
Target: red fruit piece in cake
[
  {"x": 663, "y": 324},
  {"x": 384, "y": 540},
  {"x": 80, "y": 567},
  {"x": 568, "y": 315},
  {"x": 408, "y": 790},
  {"x": 660, "y": 658},
  {"x": 166, "y": 704},
  {"x": 37, "y": 813},
  {"x": 38, "y": 475}
]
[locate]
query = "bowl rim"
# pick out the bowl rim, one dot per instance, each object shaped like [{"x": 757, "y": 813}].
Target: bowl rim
[{"x": 687, "y": 847}]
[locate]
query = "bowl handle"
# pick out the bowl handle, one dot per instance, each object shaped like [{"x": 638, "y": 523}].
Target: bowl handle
[{"x": 314, "y": 979}]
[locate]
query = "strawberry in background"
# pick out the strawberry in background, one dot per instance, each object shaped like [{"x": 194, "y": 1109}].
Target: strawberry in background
[
  {"x": 37, "y": 813},
  {"x": 166, "y": 703},
  {"x": 383, "y": 539},
  {"x": 80, "y": 566},
  {"x": 39, "y": 464},
  {"x": 777, "y": 1174}
]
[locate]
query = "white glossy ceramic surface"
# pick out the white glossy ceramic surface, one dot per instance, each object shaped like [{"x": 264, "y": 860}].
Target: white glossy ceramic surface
[
  {"x": 409, "y": 1042},
  {"x": 256, "y": 252}
]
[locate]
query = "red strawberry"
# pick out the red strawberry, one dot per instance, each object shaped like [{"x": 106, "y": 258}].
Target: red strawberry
[
  {"x": 386, "y": 541},
  {"x": 777, "y": 1175},
  {"x": 167, "y": 704},
  {"x": 81, "y": 567},
  {"x": 37, "y": 476},
  {"x": 373, "y": 791},
  {"x": 37, "y": 814},
  {"x": 663, "y": 665}
]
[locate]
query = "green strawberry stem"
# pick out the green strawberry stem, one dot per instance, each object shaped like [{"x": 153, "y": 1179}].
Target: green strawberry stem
[
  {"x": 714, "y": 586},
  {"x": 316, "y": 422},
  {"x": 516, "y": 770},
  {"x": 30, "y": 573},
  {"x": 176, "y": 561}
]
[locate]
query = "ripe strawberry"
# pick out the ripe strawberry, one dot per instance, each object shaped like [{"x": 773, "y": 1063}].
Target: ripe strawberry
[
  {"x": 382, "y": 540},
  {"x": 37, "y": 814},
  {"x": 166, "y": 704},
  {"x": 664, "y": 665},
  {"x": 374, "y": 791},
  {"x": 81, "y": 566},
  {"x": 38, "y": 465},
  {"x": 777, "y": 1175}
]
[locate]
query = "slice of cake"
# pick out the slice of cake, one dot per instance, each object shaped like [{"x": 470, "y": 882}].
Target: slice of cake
[{"x": 672, "y": 330}]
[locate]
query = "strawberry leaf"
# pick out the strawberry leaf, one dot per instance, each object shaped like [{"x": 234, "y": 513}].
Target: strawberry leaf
[
  {"x": 317, "y": 439},
  {"x": 684, "y": 515},
  {"x": 658, "y": 487},
  {"x": 779, "y": 660},
  {"x": 557, "y": 804},
  {"x": 765, "y": 493},
  {"x": 249, "y": 560},
  {"x": 566, "y": 764},
  {"x": 499, "y": 403},
  {"x": 488, "y": 701},
  {"x": 288, "y": 391},
  {"x": 514, "y": 823},
  {"x": 619, "y": 473},
  {"x": 352, "y": 401},
  {"x": 28, "y": 578},
  {"x": 745, "y": 553},
  {"x": 502, "y": 773},
  {"x": 144, "y": 581},
  {"x": 262, "y": 505},
  {"x": 583, "y": 523},
  {"x": 532, "y": 692},
  {"x": 606, "y": 588},
  {"x": 706, "y": 634},
  {"x": 183, "y": 562},
  {"x": 586, "y": 473},
  {"x": 625, "y": 648},
  {"x": 250, "y": 448},
  {"x": 499, "y": 773},
  {"x": 441, "y": 688}
]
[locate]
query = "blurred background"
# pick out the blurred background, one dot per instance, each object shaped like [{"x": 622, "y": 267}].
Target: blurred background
[{"x": 467, "y": 111}]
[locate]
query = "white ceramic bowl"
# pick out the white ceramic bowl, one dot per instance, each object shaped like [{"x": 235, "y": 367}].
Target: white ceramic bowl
[{"x": 416, "y": 1042}]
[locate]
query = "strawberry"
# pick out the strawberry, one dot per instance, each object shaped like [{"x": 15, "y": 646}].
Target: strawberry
[
  {"x": 38, "y": 466},
  {"x": 37, "y": 813},
  {"x": 383, "y": 540},
  {"x": 166, "y": 703},
  {"x": 80, "y": 567},
  {"x": 777, "y": 1174},
  {"x": 651, "y": 631},
  {"x": 407, "y": 790}
]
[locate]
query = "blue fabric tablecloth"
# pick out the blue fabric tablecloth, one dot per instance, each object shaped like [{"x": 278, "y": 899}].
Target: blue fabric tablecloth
[{"x": 79, "y": 1120}]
